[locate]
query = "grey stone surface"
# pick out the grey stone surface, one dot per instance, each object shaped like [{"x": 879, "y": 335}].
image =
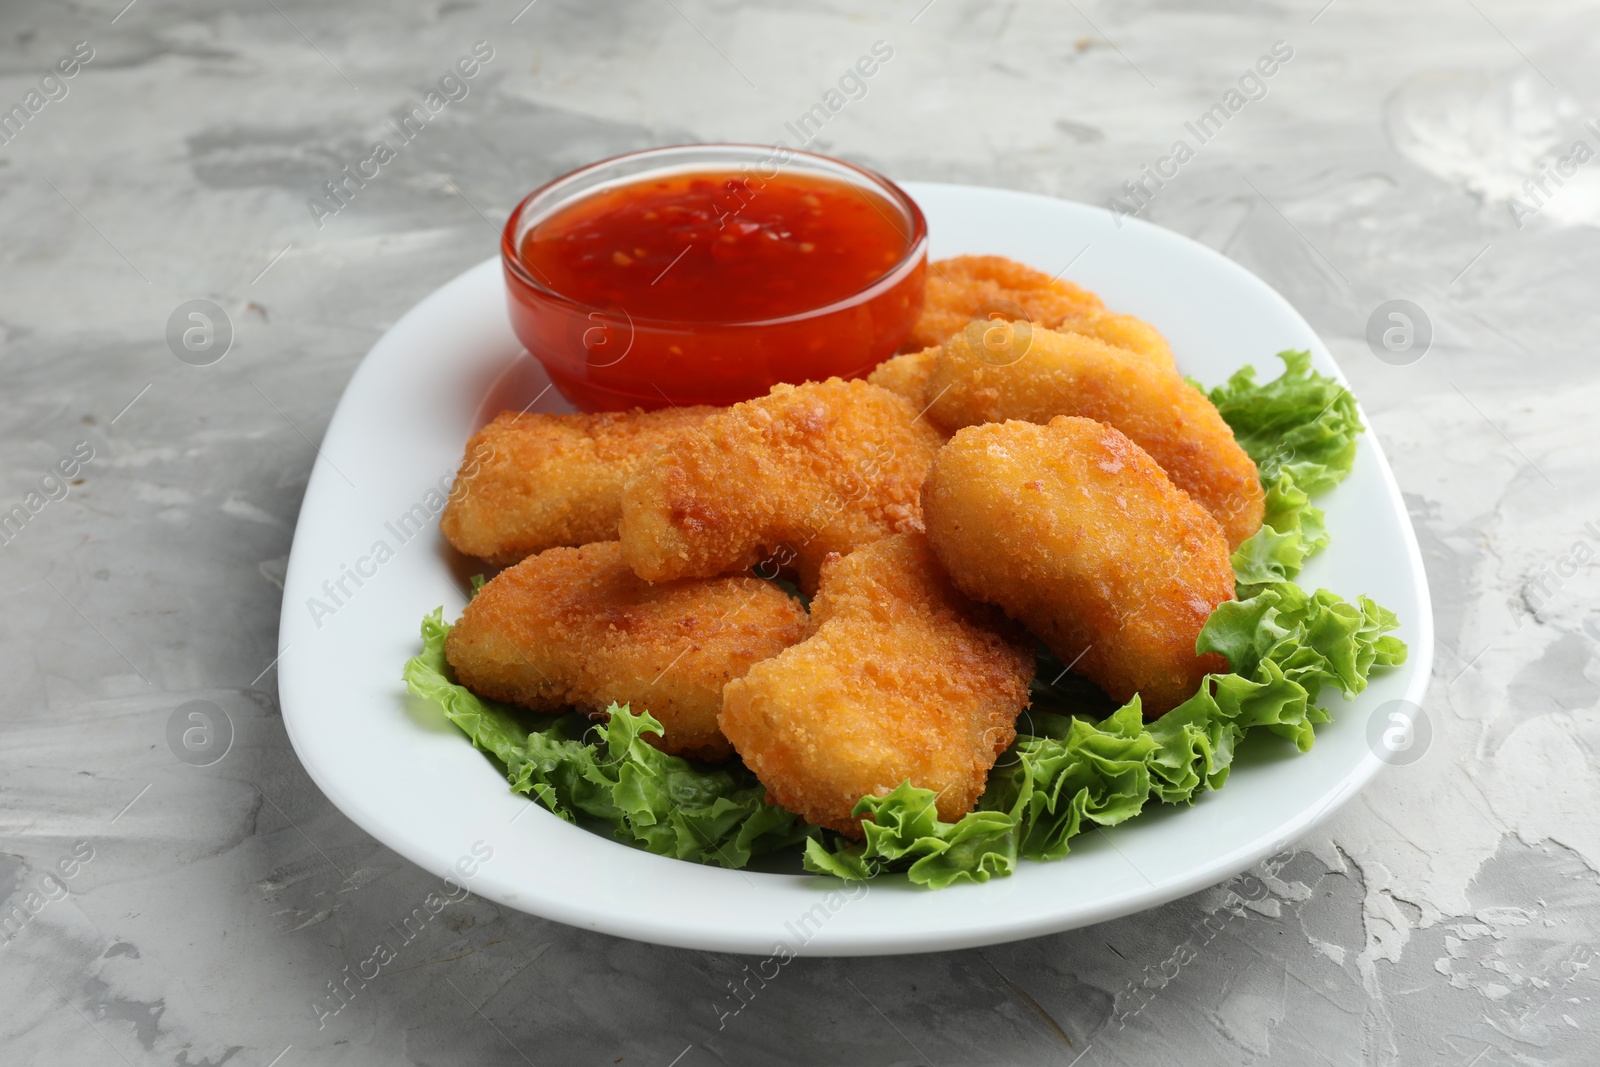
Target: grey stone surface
[{"x": 1448, "y": 916}]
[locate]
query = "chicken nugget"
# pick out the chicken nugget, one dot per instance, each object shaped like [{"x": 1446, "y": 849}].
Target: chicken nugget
[
  {"x": 532, "y": 482},
  {"x": 1051, "y": 373},
  {"x": 900, "y": 678},
  {"x": 1121, "y": 331},
  {"x": 1079, "y": 535},
  {"x": 576, "y": 627},
  {"x": 983, "y": 287},
  {"x": 907, "y": 374},
  {"x": 786, "y": 478},
  {"x": 961, "y": 288}
]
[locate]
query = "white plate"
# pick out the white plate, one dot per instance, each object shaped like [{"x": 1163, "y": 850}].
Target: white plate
[{"x": 397, "y": 768}]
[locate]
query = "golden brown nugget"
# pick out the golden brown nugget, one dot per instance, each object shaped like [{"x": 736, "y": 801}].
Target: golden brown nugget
[
  {"x": 900, "y": 678},
  {"x": 1069, "y": 374},
  {"x": 960, "y": 287},
  {"x": 969, "y": 288},
  {"x": 784, "y": 479},
  {"x": 1122, "y": 331},
  {"x": 532, "y": 482},
  {"x": 907, "y": 374},
  {"x": 576, "y": 627},
  {"x": 1076, "y": 533}
]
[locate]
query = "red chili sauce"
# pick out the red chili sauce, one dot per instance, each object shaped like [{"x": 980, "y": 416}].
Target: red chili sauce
[
  {"x": 716, "y": 248},
  {"x": 671, "y": 285}
]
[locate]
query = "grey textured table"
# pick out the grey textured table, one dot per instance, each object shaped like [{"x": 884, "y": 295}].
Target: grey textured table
[{"x": 164, "y": 913}]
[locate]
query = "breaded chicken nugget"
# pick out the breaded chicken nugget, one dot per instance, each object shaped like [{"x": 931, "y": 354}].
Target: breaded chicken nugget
[
  {"x": 785, "y": 478},
  {"x": 982, "y": 287},
  {"x": 576, "y": 627},
  {"x": 907, "y": 374},
  {"x": 1122, "y": 331},
  {"x": 1070, "y": 374},
  {"x": 900, "y": 678},
  {"x": 532, "y": 482},
  {"x": 1076, "y": 533},
  {"x": 959, "y": 288}
]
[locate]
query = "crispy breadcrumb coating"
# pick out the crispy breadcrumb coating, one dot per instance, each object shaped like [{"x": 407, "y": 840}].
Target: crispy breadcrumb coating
[
  {"x": 781, "y": 480},
  {"x": 1122, "y": 331},
  {"x": 900, "y": 678},
  {"x": 1078, "y": 534},
  {"x": 1070, "y": 374},
  {"x": 907, "y": 374},
  {"x": 532, "y": 482},
  {"x": 960, "y": 287},
  {"x": 981, "y": 287},
  {"x": 576, "y": 627}
]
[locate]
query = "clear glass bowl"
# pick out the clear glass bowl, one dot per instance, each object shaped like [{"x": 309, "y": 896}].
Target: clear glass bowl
[{"x": 603, "y": 358}]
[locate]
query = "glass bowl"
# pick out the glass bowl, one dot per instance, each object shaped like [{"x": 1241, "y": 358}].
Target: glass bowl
[{"x": 602, "y": 358}]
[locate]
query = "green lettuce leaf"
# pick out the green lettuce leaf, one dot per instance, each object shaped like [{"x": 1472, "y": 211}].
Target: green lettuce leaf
[
  {"x": 663, "y": 804},
  {"x": 1291, "y": 532},
  {"x": 1301, "y": 422},
  {"x": 1301, "y": 430}
]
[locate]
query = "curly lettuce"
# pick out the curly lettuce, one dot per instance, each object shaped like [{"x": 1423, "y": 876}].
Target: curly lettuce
[
  {"x": 1301, "y": 430},
  {"x": 1291, "y": 532},
  {"x": 660, "y": 803},
  {"x": 1301, "y": 422}
]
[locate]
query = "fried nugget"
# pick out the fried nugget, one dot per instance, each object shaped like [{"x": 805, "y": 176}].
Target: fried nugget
[
  {"x": 576, "y": 627},
  {"x": 900, "y": 678},
  {"x": 1122, "y": 331},
  {"x": 532, "y": 482},
  {"x": 960, "y": 288},
  {"x": 907, "y": 374},
  {"x": 965, "y": 288},
  {"x": 786, "y": 478},
  {"x": 1079, "y": 535},
  {"x": 1051, "y": 373}
]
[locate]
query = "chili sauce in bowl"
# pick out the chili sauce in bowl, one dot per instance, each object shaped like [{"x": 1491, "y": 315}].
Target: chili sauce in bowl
[{"x": 709, "y": 273}]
